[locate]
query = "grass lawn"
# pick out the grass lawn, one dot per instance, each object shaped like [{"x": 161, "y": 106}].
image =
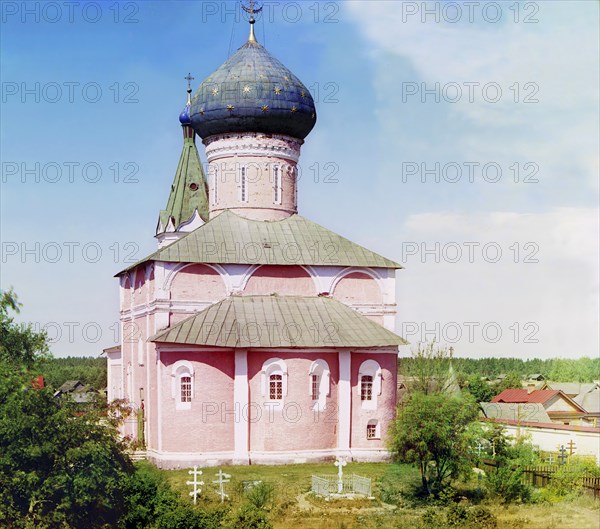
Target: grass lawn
[{"x": 293, "y": 506}]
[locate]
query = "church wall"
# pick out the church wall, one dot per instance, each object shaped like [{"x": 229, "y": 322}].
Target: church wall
[
  {"x": 283, "y": 280},
  {"x": 198, "y": 282},
  {"x": 358, "y": 287},
  {"x": 206, "y": 426},
  {"x": 292, "y": 424},
  {"x": 386, "y": 402}
]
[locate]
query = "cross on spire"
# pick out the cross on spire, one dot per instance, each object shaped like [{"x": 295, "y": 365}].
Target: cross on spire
[
  {"x": 252, "y": 10},
  {"x": 189, "y": 79}
]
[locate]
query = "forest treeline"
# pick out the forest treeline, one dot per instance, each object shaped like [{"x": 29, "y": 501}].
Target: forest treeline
[
  {"x": 92, "y": 370},
  {"x": 87, "y": 369},
  {"x": 583, "y": 369}
]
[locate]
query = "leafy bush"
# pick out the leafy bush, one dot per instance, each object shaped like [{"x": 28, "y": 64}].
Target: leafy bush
[
  {"x": 260, "y": 496},
  {"x": 482, "y": 518},
  {"x": 507, "y": 484},
  {"x": 249, "y": 517}
]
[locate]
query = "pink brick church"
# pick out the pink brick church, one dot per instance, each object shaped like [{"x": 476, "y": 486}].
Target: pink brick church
[{"x": 253, "y": 335}]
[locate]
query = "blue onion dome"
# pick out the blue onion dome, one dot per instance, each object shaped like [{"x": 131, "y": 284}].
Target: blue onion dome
[
  {"x": 253, "y": 92},
  {"x": 184, "y": 117}
]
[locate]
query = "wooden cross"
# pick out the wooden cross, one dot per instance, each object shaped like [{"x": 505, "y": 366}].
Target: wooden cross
[
  {"x": 195, "y": 483},
  {"x": 223, "y": 478},
  {"x": 340, "y": 464},
  {"x": 572, "y": 447},
  {"x": 562, "y": 455},
  {"x": 479, "y": 448}
]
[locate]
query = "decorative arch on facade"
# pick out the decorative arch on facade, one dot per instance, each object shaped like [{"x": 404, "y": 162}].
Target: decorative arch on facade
[
  {"x": 319, "y": 383},
  {"x": 197, "y": 282},
  {"x": 274, "y": 379},
  {"x": 369, "y": 384},
  {"x": 286, "y": 280},
  {"x": 358, "y": 286}
]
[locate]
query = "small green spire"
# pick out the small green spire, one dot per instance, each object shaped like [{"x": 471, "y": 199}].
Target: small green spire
[{"x": 189, "y": 191}]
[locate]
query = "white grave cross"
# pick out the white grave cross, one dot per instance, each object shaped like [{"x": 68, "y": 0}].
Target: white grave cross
[
  {"x": 340, "y": 464},
  {"x": 196, "y": 490},
  {"x": 223, "y": 478}
]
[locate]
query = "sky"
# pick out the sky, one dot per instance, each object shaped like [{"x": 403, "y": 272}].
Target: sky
[{"x": 459, "y": 139}]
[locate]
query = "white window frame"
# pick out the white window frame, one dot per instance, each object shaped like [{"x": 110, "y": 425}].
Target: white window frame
[
  {"x": 277, "y": 185},
  {"x": 377, "y": 435},
  {"x": 243, "y": 184},
  {"x": 274, "y": 366},
  {"x": 370, "y": 368},
  {"x": 179, "y": 370},
  {"x": 319, "y": 368}
]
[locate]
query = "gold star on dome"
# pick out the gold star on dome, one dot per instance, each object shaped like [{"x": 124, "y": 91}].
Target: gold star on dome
[
  {"x": 215, "y": 91},
  {"x": 303, "y": 93},
  {"x": 265, "y": 108},
  {"x": 286, "y": 78},
  {"x": 202, "y": 111},
  {"x": 294, "y": 108},
  {"x": 277, "y": 90},
  {"x": 230, "y": 108},
  {"x": 246, "y": 89},
  {"x": 313, "y": 115}
]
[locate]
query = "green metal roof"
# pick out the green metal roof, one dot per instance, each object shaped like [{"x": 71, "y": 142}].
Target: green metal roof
[
  {"x": 279, "y": 321},
  {"x": 189, "y": 191},
  {"x": 231, "y": 239}
]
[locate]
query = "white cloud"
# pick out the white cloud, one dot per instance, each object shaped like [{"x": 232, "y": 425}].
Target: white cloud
[{"x": 558, "y": 295}]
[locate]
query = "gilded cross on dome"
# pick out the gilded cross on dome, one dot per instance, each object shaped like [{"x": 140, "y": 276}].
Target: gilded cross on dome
[{"x": 253, "y": 10}]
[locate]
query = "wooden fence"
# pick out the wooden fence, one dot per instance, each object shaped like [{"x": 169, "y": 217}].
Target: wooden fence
[{"x": 540, "y": 476}]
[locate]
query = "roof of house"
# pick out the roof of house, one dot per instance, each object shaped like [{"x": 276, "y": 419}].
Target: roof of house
[
  {"x": 523, "y": 395},
  {"x": 231, "y": 239},
  {"x": 279, "y": 321},
  {"x": 531, "y": 397},
  {"x": 589, "y": 401},
  {"x": 69, "y": 385},
  {"x": 572, "y": 388},
  {"x": 530, "y": 412}
]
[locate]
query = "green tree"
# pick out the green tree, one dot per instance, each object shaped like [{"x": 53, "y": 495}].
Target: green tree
[
  {"x": 20, "y": 345},
  {"x": 480, "y": 389},
  {"x": 58, "y": 468},
  {"x": 432, "y": 431},
  {"x": 429, "y": 367}
]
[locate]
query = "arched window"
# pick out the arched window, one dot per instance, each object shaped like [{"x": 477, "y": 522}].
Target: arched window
[
  {"x": 373, "y": 429},
  {"x": 277, "y": 191},
  {"x": 182, "y": 384},
  {"x": 185, "y": 387},
  {"x": 369, "y": 384},
  {"x": 274, "y": 379},
  {"x": 243, "y": 184},
  {"x": 275, "y": 387},
  {"x": 366, "y": 387},
  {"x": 318, "y": 383}
]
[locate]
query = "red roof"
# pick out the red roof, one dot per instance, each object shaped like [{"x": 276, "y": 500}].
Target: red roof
[{"x": 522, "y": 395}]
